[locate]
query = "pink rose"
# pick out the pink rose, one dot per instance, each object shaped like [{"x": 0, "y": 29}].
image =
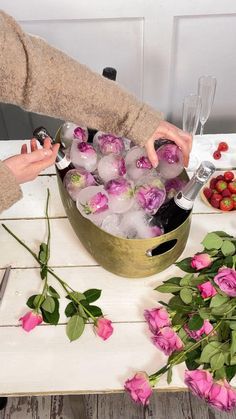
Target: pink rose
[
  {"x": 167, "y": 340},
  {"x": 86, "y": 148},
  {"x": 119, "y": 186},
  {"x": 157, "y": 318},
  {"x": 226, "y": 280},
  {"x": 143, "y": 163},
  {"x": 199, "y": 382},
  {"x": 207, "y": 290},
  {"x": 139, "y": 388},
  {"x": 196, "y": 334},
  {"x": 201, "y": 261},
  {"x": 30, "y": 320},
  {"x": 98, "y": 203},
  {"x": 103, "y": 328},
  {"x": 222, "y": 396},
  {"x": 121, "y": 166},
  {"x": 80, "y": 133},
  {"x": 109, "y": 143},
  {"x": 150, "y": 198}
]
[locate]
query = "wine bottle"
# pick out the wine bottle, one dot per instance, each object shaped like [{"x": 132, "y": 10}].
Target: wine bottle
[
  {"x": 63, "y": 163},
  {"x": 175, "y": 212}
]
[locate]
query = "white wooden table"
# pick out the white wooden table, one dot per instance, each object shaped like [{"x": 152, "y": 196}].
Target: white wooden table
[{"x": 44, "y": 361}]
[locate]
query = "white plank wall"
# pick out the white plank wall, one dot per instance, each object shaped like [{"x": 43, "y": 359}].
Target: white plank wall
[{"x": 159, "y": 48}]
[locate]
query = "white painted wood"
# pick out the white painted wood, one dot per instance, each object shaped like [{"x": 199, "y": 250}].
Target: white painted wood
[{"x": 43, "y": 361}]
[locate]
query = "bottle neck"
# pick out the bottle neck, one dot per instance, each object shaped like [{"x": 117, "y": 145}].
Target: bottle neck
[{"x": 61, "y": 160}]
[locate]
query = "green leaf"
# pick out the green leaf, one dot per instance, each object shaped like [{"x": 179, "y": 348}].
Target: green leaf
[
  {"x": 43, "y": 272},
  {"x": 177, "y": 304},
  {"x": 186, "y": 295},
  {"x": 78, "y": 296},
  {"x": 71, "y": 309},
  {"x": 178, "y": 319},
  {"x": 95, "y": 311},
  {"x": 205, "y": 313},
  {"x": 185, "y": 265},
  {"x": 230, "y": 372},
  {"x": 49, "y": 304},
  {"x": 92, "y": 295},
  {"x": 168, "y": 288},
  {"x": 227, "y": 248},
  {"x": 217, "y": 361},
  {"x": 191, "y": 364},
  {"x": 52, "y": 318},
  {"x": 43, "y": 253},
  {"x": 75, "y": 327},
  {"x": 186, "y": 280},
  {"x": 209, "y": 350},
  {"x": 220, "y": 373},
  {"x": 220, "y": 310},
  {"x": 195, "y": 323},
  {"x": 37, "y": 300},
  {"x": 30, "y": 301},
  {"x": 53, "y": 292},
  {"x": 212, "y": 241},
  {"x": 232, "y": 325},
  {"x": 217, "y": 300},
  {"x": 174, "y": 280},
  {"x": 169, "y": 375},
  {"x": 233, "y": 343},
  {"x": 222, "y": 233}
]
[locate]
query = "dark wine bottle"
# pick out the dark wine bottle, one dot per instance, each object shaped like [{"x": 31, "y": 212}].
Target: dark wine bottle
[
  {"x": 63, "y": 163},
  {"x": 175, "y": 212}
]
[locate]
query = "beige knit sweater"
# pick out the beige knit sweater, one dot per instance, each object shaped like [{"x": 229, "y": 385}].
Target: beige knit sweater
[{"x": 44, "y": 80}]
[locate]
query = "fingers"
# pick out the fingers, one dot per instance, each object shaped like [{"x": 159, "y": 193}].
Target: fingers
[
  {"x": 152, "y": 155},
  {"x": 33, "y": 145},
  {"x": 37, "y": 155},
  {"x": 48, "y": 160},
  {"x": 23, "y": 149}
]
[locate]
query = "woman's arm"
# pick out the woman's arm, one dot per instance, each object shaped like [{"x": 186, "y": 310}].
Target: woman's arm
[{"x": 42, "y": 79}]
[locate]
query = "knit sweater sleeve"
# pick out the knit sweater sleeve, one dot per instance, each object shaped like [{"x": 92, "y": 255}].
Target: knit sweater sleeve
[
  {"x": 44, "y": 80},
  {"x": 10, "y": 191}
]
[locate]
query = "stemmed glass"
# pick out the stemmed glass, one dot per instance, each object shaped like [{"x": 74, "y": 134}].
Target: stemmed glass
[
  {"x": 191, "y": 115},
  {"x": 206, "y": 90}
]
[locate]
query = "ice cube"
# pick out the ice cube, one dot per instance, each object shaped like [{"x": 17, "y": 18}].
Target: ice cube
[
  {"x": 77, "y": 179},
  {"x": 105, "y": 143},
  {"x": 150, "y": 194},
  {"x": 111, "y": 167},
  {"x": 92, "y": 202},
  {"x": 69, "y": 131},
  {"x": 137, "y": 163},
  {"x": 121, "y": 194},
  {"x": 82, "y": 154}
]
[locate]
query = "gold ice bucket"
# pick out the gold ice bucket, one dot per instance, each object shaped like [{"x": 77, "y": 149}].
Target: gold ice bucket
[{"x": 125, "y": 257}]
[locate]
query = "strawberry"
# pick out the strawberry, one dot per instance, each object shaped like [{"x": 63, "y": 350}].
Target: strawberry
[
  {"x": 220, "y": 177},
  {"x": 217, "y": 155},
  {"x": 233, "y": 197},
  {"x": 232, "y": 186},
  {"x": 226, "y": 204},
  {"x": 213, "y": 183},
  {"x": 223, "y": 146},
  {"x": 221, "y": 185},
  {"x": 228, "y": 176},
  {"x": 215, "y": 200},
  {"x": 226, "y": 193},
  {"x": 207, "y": 192}
]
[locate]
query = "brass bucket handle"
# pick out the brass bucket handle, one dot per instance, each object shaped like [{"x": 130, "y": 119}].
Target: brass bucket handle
[{"x": 162, "y": 248}]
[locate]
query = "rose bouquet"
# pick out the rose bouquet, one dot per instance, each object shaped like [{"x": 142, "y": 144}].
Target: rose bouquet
[
  {"x": 198, "y": 325},
  {"x": 45, "y": 305}
]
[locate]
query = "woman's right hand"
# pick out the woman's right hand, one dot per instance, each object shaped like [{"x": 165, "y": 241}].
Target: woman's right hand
[{"x": 27, "y": 166}]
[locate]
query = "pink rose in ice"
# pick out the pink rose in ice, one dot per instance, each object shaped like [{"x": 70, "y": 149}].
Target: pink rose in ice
[
  {"x": 157, "y": 318},
  {"x": 86, "y": 148},
  {"x": 199, "y": 382},
  {"x": 121, "y": 166},
  {"x": 173, "y": 186},
  {"x": 103, "y": 328},
  {"x": 30, "y": 320},
  {"x": 96, "y": 204},
  {"x": 201, "y": 261},
  {"x": 207, "y": 290},
  {"x": 143, "y": 163},
  {"x": 197, "y": 334},
  {"x": 139, "y": 388},
  {"x": 150, "y": 196},
  {"x": 77, "y": 179},
  {"x": 167, "y": 341},
  {"x": 222, "y": 396},
  {"x": 226, "y": 280},
  {"x": 80, "y": 134},
  {"x": 108, "y": 143},
  {"x": 119, "y": 186}
]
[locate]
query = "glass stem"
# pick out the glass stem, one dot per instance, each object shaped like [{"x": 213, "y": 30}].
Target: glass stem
[{"x": 202, "y": 129}]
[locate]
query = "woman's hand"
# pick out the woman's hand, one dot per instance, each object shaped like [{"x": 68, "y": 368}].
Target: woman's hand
[
  {"x": 173, "y": 133},
  {"x": 27, "y": 166}
]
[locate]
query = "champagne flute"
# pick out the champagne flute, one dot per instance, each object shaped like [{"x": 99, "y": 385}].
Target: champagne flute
[
  {"x": 206, "y": 90},
  {"x": 191, "y": 115}
]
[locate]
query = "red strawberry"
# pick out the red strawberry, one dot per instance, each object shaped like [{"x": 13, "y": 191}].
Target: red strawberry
[
  {"x": 216, "y": 155},
  {"x": 220, "y": 185},
  {"x": 207, "y": 192},
  {"x": 233, "y": 197},
  {"x": 226, "y": 193},
  {"x": 223, "y": 146},
  {"x": 213, "y": 183},
  {"x": 226, "y": 204},
  {"x": 215, "y": 200},
  {"x": 232, "y": 186},
  {"x": 220, "y": 177},
  {"x": 228, "y": 176}
]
